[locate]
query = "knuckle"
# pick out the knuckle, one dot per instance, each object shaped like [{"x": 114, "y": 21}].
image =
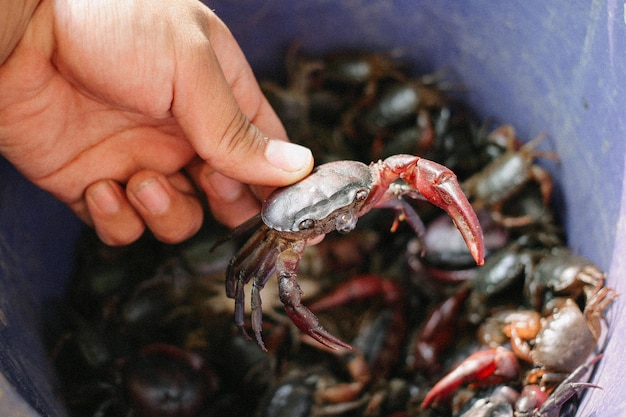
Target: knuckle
[
  {"x": 122, "y": 237},
  {"x": 176, "y": 228},
  {"x": 240, "y": 135}
]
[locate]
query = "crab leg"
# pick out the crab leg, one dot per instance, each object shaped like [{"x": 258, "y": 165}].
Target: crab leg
[
  {"x": 243, "y": 257},
  {"x": 263, "y": 274},
  {"x": 567, "y": 389},
  {"x": 290, "y": 294},
  {"x": 257, "y": 258}
]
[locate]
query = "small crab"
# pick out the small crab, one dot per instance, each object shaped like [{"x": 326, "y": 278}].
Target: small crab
[
  {"x": 561, "y": 272},
  {"x": 332, "y": 198},
  {"x": 506, "y": 175},
  {"x": 565, "y": 338}
]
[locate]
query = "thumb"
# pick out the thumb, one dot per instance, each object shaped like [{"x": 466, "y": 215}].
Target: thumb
[{"x": 219, "y": 105}]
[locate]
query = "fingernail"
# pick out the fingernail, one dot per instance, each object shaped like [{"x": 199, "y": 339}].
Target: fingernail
[
  {"x": 287, "y": 156},
  {"x": 227, "y": 189},
  {"x": 105, "y": 198},
  {"x": 153, "y": 196}
]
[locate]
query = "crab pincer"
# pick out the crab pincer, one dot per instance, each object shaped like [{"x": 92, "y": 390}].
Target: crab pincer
[
  {"x": 333, "y": 198},
  {"x": 304, "y": 318},
  {"x": 491, "y": 366},
  {"x": 428, "y": 180}
]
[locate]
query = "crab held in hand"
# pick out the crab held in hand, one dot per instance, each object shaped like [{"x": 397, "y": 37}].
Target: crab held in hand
[{"x": 332, "y": 198}]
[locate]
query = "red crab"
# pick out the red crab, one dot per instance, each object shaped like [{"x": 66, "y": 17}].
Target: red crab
[{"x": 332, "y": 198}]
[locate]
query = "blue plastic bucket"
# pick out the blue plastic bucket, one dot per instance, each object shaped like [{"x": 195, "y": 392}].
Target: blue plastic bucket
[{"x": 551, "y": 67}]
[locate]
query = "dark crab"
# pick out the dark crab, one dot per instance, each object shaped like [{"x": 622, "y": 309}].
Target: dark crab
[{"x": 332, "y": 198}]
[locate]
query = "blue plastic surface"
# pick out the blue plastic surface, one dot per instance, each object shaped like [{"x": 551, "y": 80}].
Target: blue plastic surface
[{"x": 555, "y": 67}]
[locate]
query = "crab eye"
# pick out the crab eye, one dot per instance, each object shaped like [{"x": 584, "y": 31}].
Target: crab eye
[
  {"x": 361, "y": 195},
  {"x": 306, "y": 224},
  {"x": 345, "y": 223}
]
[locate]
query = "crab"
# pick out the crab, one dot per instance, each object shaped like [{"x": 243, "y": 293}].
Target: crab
[
  {"x": 333, "y": 198},
  {"x": 558, "y": 346},
  {"x": 506, "y": 176}
]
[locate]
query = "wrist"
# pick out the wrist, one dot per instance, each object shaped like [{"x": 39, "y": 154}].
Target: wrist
[{"x": 14, "y": 17}]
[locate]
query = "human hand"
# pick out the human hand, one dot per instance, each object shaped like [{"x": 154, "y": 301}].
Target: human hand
[{"x": 123, "y": 109}]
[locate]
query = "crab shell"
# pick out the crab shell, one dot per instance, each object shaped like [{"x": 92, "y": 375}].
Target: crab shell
[{"x": 329, "y": 199}]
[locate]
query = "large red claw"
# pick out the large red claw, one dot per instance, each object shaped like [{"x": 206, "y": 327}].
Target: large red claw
[
  {"x": 491, "y": 366},
  {"x": 440, "y": 186}
]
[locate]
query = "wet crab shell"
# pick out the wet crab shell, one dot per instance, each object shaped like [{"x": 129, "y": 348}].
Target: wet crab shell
[
  {"x": 565, "y": 341},
  {"x": 331, "y": 189}
]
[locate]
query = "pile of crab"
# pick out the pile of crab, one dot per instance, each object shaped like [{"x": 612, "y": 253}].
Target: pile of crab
[{"x": 396, "y": 318}]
